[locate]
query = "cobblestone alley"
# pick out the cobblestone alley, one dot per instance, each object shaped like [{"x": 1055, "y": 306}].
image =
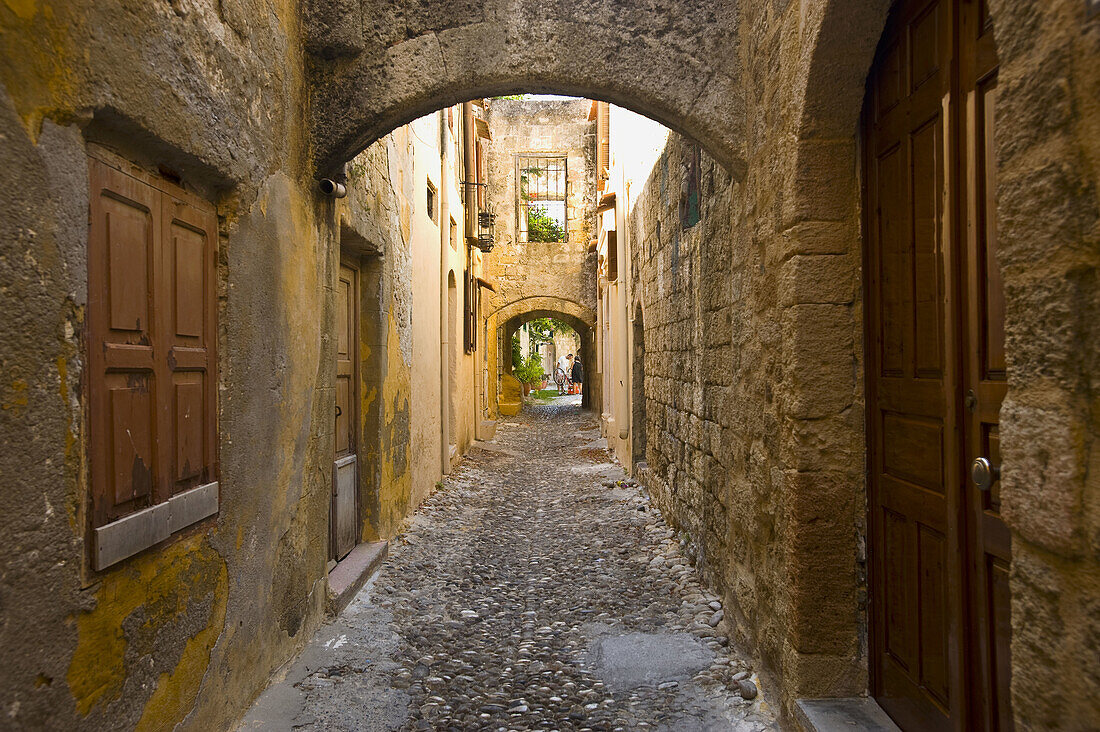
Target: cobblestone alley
[{"x": 537, "y": 589}]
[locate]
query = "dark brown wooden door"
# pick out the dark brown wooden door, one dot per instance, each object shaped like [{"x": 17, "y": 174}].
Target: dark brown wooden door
[
  {"x": 934, "y": 332},
  {"x": 345, "y": 521},
  {"x": 914, "y": 455}
]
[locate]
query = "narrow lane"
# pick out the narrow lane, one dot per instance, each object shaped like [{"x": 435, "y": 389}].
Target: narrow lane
[{"x": 537, "y": 589}]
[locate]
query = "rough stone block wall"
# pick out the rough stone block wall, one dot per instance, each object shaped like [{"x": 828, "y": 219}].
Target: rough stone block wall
[
  {"x": 753, "y": 387},
  {"x": 1048, "y": 201},
  {"x": 561, "y": 275},
  {"x": 527, "y": 269},
  {"x": 711, "y": 360}
]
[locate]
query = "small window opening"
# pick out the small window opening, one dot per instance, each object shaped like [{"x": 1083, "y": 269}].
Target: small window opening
[
  {"x": 541, "y": 185},
  {"x": 431, "y": 197}
]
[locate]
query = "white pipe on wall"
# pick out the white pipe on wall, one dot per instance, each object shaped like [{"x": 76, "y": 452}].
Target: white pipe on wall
[
  {"x": 622, "y": 401},
  {"x": 444, "y": 217}
]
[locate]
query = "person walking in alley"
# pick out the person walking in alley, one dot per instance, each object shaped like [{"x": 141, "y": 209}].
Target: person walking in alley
[
  {"x": 577, "y": 375},
  {"x": 562, "y": 373}
]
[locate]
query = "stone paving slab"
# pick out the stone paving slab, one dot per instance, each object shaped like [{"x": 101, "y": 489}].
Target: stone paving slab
[{"x": 538, "y": 589}]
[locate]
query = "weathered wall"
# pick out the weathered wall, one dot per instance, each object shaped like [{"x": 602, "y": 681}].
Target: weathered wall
[
  {"x": 712, "y": 372},
  {"x": 522, "y": 270},
  {"x": 385, "y": 222},
  {"x": 375, "y": 227},
  {"x": 1048, "y": 206},
  {"x": 175, "y": 631}
]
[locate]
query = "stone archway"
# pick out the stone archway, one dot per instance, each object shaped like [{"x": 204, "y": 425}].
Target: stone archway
[
  {"x": 517, "y": 312},
  {"x": 674, "y": 61}
]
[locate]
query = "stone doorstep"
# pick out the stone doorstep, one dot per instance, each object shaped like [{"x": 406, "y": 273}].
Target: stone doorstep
[
  {"x": 834, "y": 715},
  {"x": 352, "y": 572}
]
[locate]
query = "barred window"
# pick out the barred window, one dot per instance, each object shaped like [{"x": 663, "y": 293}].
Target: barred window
[{"x": 542, "y": 211}]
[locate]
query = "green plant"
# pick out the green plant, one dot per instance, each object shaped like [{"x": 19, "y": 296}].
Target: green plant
[
  {"x": 517, "y": 353},
  {"x": 541, "y": 226},
  {"x": 530, "y": 371}
]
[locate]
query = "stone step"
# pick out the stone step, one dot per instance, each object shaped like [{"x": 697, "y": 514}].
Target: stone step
[
  {"x": 352, "y": 572},
  {"x": 837, "y": 715}
]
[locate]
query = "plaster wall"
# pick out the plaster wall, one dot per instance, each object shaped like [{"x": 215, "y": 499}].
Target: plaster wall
[
  {"x": 375, "y": 221},
  {"x": 169, "y": 635},
  {"x": 425, "y": 419}
]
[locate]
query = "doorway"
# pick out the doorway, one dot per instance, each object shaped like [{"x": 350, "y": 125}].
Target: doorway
[
  {"x": 344, "y": 511},
  {"x": 935, "y": 372}
]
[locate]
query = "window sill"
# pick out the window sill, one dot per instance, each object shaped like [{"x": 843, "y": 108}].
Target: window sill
[{"x": 126, "y": 537}]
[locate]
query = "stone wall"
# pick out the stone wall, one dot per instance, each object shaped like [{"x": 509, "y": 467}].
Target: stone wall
[
  {"x": 1048, "y": 206},
  {"x": 211, "y": 93},
  {"x": 564, "y": 271},
  {"x": 713, "y": 403},
  {"x": 375, "y": 226},
  {"x": 756, "y": 444}
]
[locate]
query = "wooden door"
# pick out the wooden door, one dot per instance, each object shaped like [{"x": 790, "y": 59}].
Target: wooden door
[
  {"x": 345, "y": 514},
  {"x": 934, "y": 333},
  {"x": 985, "y": 376},
  {"x": 913, "y": 438}
]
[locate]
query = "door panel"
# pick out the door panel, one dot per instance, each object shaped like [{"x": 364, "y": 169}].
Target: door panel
[
  {"x": 345, "y": 482},
  {"x": 913, "y": 439},
  {"x": 347, "y": 478},
  {"x": 985, "y": 374}
]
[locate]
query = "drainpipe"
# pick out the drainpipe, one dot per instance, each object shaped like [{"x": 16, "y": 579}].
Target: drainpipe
[
  {"x": 621, "y": 345},
  {"x": 444, "y": 301},
  {"x": 470, "y": 231}
]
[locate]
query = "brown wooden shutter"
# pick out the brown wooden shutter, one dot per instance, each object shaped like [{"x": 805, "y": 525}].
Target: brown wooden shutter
[
  {"x": 151, "y": 360},
  {"x": 603, "y": 143},
  {"x": 122, "y": 354},
  {"x": 189, "y": 302}
]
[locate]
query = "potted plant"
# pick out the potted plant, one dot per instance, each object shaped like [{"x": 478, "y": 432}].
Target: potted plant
[{"x": 529, "y": 373}]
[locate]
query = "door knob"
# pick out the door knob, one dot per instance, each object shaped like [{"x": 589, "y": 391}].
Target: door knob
[{"x": 984, "y": 473}]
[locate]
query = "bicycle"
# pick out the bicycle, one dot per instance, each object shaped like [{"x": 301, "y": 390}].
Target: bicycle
[{"x": 561, "y": 379}]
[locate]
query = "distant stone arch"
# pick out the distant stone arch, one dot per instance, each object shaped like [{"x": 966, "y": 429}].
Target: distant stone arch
[
  {"x": 501, "y": 323},
  {"x": 673, "y": 60}
]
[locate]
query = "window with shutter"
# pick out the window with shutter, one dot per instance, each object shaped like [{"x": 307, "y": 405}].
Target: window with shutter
[{"x": 152, "y": 253}]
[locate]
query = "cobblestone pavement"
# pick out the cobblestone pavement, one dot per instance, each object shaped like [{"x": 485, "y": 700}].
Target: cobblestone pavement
[{"x": 536, "y": 590}]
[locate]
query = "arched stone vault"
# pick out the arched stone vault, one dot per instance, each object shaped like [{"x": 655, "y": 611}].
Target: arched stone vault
[
  {"x": 504, "y": 320},
  {"x": 543, "y": 306},
  {"x": 671, "y": 60}
]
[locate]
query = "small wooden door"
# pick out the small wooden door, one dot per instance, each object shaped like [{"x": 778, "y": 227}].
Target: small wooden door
[
  {"x": 345, "y": 473},
  {"x": 935, "y": 371}
]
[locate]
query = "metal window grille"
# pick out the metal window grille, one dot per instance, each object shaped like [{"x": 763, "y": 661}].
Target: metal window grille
[{"x": 542, "y": 211}]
